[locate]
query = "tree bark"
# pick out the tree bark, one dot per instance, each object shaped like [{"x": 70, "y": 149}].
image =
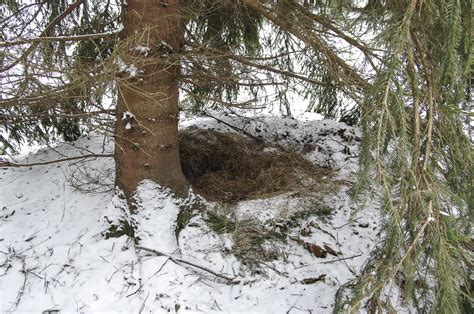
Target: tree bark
[{"x": 146, "y": 138}]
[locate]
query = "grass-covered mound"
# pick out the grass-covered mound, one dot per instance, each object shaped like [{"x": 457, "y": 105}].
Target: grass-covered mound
[{"x": 228, "y": 167}]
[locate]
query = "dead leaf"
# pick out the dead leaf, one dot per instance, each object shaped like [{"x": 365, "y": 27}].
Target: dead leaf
[
  {"x": 316, "y": 250},
  {"x": 311, "y": 280},
  {"x": 330, "y": 250}
]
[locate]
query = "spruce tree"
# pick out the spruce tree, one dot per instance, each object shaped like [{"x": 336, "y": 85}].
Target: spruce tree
[{"x": 411, "y": 96}]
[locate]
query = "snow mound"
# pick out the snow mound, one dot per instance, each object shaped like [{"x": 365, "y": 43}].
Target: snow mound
[
  {"x": 326, "y": 143},
  {"x": 54, "y": 255}
]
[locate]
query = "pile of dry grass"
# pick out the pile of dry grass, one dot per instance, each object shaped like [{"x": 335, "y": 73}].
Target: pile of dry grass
[{"x": 229, "y": 168}]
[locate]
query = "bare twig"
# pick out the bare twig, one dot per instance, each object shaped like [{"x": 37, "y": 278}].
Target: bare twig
[
  {"x": 22, "y": 41},
  {"x": 17, "y": 165},
  {"x": 348, "y": 223},
  {"x": 340, "y": 250},
  {"x": 326, "y": 232},
  {"x": 342, "y": 259},
  {"x": 135, "y": 292},
  {"x": 48, "y": 28},
  {"x": 232, "y": 126},
  {"x": 182, "y": 261},
  {"x": 143, "y": 305}
]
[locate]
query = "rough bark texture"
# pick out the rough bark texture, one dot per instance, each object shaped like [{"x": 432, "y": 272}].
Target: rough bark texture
[{"x": 147, "y": 142}]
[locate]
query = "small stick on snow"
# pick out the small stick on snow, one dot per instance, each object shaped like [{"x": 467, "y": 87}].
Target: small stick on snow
[
  {"x": 134, "y": 292},
  {"x": 340, "y": 250},
  {"x": 342, "y": 259},
  {"x": 326, "y": 232},
  {"x": 274, "y": 269},
  {"x": 217, "y": 304},
  {"x": 143, "y": 304},
  {"x": 21, "y": 291},
  {"x": 182, "y": 261},
  {"x": 348, "y": 223}
]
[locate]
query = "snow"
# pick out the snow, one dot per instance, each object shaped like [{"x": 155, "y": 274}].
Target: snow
[
  {"x": 144, "y": 50},
  {"x": 131, "y": 69},
  {"x": 127, "y": 115},
  {"x": 154, "y": 201},
  {"x": 54, "y": 255},
  {"x": 166, "y": 47}
]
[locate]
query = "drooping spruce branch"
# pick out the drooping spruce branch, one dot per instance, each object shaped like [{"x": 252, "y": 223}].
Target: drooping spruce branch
[{"x": 415, "y": 143}]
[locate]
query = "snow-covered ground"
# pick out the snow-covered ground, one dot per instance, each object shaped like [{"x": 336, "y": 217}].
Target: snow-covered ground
[{"x": 53, "y": 255}]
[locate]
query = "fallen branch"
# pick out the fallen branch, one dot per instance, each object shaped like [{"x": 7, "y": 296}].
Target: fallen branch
[
  {"x": 9, "y": 164},
  {"x": 182, "y": 261}
]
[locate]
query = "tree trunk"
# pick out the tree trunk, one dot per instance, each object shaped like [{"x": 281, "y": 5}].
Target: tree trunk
[{"x": 146, "y": 138}]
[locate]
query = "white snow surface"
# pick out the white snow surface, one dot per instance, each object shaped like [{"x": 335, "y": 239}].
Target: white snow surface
[
  {"x": 131, "y": 69},
  {"x": 53, "y": 254},
  {"x": 144, "y": 50}
]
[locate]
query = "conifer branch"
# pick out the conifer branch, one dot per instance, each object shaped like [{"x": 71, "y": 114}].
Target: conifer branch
[
  {"x": 8, "y": 164},
  {"x": 46, "y": 31}
]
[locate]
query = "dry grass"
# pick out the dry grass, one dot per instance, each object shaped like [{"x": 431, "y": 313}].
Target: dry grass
[
  {"x": 253, "y": 243},
  {"x": 230, "y": 168}
]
